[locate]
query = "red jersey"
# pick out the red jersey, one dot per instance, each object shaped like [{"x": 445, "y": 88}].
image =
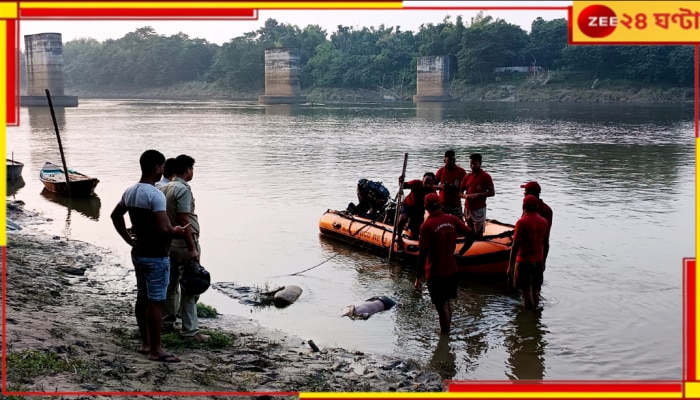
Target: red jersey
[
  {"x": 545, "y": 212},
  {"x": 451, "y": 179},
  {"x": 438, "y": 235},
  {"x": 473, "y": 183},
  {"x": 530, "y": 232},
  {"x": 416, "y": 198}
]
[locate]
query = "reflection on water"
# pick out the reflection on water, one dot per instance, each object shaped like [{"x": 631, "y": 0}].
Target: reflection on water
[
  {"x": 619, "y": 179},
  {"x": 280, "y": 109},
  {"x": 14, "y": 185},
  {"x": 443, "y": 359},
  {"x": 40, "y": 119},
  {"x": 526, "y": 345},
  {"x": 431, "y": 111},
  {"x": 87, "y": 206},
  {"x": 43, "y": 135}
]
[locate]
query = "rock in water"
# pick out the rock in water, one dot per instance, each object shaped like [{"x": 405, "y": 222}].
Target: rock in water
[{"x": 287, "y": 296}]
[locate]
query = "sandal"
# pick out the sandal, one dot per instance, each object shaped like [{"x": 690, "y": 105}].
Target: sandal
[
  {"x": 168, "y": 358},
  {"x": 198, "y": 337}
]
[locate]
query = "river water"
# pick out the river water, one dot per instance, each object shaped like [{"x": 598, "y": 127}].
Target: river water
[{"x": 620, "y": 179}]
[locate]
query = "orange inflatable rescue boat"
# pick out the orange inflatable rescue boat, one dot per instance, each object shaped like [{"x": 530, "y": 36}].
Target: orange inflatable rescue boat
[{"x": 487, "y": 256}]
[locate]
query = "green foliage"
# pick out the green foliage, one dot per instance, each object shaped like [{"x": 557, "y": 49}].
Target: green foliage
[
  {"x": 217, "y": 340},
  {"x": 364, "y": 58},
  {"x": 23, "y": 366},
  {"x": 547, "y": 41},
  {"x": 205, "y": 311},
  {"x": 486, "y": 46}
]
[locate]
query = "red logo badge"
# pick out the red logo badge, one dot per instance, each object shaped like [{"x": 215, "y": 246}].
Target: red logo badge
[{"x": 597, "y": 21}]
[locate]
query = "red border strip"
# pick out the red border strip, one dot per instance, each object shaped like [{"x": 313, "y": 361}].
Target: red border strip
[
  {"x": 12, "y": 77},
  {"x": 135, "y": 13},
  {"x": 567, "y": 386},
  {"x": 569, "y": 17},
  {"x": 689, "y": 310}
]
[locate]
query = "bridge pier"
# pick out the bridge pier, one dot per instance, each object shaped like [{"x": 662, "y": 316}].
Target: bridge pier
[
  {"x": 433, "y": 79},
  {"x": 44, "y": 64},
  {"x": 282, "y": 77}
]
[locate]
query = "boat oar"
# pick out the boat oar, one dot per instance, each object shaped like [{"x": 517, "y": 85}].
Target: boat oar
[
  {"x": 469, "y": 240},
  {"x": 58, "y": 136},
  {"x": 398, "y": 206}
]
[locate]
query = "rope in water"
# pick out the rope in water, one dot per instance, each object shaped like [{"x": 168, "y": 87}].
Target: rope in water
[{"x": 317, "y": 265}]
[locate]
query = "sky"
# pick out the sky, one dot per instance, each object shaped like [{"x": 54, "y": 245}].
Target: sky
[{"x": 221, "y": 31}]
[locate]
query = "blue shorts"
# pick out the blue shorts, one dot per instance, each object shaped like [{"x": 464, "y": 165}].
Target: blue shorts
[{"x": 152, "y": 277}]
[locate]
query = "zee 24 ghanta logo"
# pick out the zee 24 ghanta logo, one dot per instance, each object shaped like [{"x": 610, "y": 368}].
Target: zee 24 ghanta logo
[{"x": 599, "y": 21}]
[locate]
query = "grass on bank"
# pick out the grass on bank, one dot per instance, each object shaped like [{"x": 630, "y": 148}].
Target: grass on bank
[
  {"x": 218, "y": 340},
  {"x": 24, "y": 366},
  {"x": 205, "y": 311}
]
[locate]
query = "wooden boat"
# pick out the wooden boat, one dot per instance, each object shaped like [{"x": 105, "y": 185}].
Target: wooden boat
[
  {"x": 487, "y": 256},
  {"x": 14, "y": 169},
  {"x": 54, "y": 180}
]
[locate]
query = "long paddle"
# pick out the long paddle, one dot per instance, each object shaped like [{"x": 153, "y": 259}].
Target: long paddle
[
  {"x": 398, "y": 205},
  {"x": 58, "y": 136},
  {"x": 469, "y": 241}
]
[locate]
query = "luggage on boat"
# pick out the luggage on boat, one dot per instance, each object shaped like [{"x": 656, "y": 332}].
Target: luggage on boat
[
  {"x": 371, "y": 191},
  {"x": 373, "y": 198}
]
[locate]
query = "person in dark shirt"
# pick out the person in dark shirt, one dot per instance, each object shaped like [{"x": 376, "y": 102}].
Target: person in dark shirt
[{"x": 150, "y": 244}]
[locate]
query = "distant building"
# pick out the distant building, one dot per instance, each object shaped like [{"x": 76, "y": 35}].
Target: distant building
[{"x": 518, "y": 69}]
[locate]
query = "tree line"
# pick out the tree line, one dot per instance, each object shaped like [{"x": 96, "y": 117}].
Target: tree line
[{"x": 365, "y": 58}]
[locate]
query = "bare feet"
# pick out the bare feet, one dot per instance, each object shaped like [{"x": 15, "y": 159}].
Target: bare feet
[{"x": 164, "y": 357}]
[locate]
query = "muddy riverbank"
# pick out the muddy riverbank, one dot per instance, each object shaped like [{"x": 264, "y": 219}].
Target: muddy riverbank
[{"x": 67, "y": 332}]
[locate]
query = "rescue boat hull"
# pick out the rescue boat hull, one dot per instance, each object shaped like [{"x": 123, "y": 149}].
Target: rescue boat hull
[{"x": 484, "y": 257}]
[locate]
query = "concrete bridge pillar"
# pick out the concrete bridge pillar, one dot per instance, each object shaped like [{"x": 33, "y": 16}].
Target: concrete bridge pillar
[
  {"x": 44, "y": 64},
  {"x": 433, "y": 80},
  {"x": 282, "y": 77}
]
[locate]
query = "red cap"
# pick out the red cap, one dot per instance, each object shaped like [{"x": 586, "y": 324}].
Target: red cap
[
  {"x": 432, "y": 199},
  {"x": 532, "y": 186},
  {"x": 530, "y": 201}
]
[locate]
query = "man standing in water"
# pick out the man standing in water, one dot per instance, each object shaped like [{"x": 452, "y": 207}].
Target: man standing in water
[
  {"x": 533, "y": 188},
  {"x": 447, "y": 181},
  {"x": 149, "y": 250},
  {"x": 476, "y": 186},
  {"x": 180, "y": 208},
  {"x": 436, "y": 260},
  {"x": 526, "y": 256}
]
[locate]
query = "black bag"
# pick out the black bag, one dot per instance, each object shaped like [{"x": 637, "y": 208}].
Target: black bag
[
  {"x": 372, "y": 192},
  {"x": 195, "y": 279}
]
